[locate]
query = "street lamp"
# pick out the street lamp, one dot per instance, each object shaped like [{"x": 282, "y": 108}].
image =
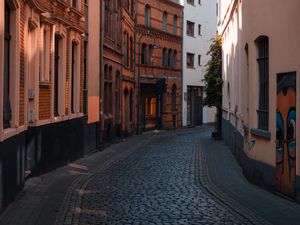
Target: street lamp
[{"x": 154, "y": 46}]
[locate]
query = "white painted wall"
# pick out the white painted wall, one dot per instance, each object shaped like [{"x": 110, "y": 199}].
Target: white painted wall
[{"x": 205, "y": 15}]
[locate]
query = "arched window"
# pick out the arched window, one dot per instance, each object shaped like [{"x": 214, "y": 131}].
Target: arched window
[
  {"x": 165, "y": 21},
  {"x": 170, "y": 58},
  {"x": 144, "y": 54},
  {"x": 175, "y": 59},
  {"x": 150, "y": 54},
  {"x": 263, "y": 66},
  {"x": 174, "y": 90},
  {"x": 175, "y": 24},
  {"x": 147, "y": 16}
]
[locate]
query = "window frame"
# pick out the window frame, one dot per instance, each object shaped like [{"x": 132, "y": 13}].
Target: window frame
[
  {"x": 192, "y": 65},
  {"x": 190, "y": 28},
  {"x": 262, "y": 43}
]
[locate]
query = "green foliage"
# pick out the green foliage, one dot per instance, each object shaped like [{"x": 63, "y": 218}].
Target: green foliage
[{"x": 213, "y": 77}]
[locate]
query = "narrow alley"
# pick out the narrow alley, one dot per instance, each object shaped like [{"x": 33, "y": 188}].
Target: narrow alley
[{"x": 171, "y": 177}]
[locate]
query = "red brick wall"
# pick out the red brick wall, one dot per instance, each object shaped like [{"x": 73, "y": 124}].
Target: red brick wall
[{"x": 166, "y": 40}]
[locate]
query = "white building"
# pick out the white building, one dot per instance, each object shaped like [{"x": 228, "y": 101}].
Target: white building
[{"x": 200, "y": 26}]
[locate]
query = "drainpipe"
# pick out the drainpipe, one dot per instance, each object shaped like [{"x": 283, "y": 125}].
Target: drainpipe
[
  {"x": 135, "y": 75},
  {"x": 182, "y": 88},
  {"x": 101, "y": 122}
]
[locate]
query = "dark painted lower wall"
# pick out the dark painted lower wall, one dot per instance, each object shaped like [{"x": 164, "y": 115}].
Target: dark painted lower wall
[
  {"x": 37, "y": 151},
  {"x": 91, "y": 137},
  {"x": 12, "y": 168},
  {"x": 256, "y": 172},
  {"x": 55, "y": 144}
]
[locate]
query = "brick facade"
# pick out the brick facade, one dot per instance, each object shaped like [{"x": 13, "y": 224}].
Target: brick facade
[{"x": 162, "y": 62}]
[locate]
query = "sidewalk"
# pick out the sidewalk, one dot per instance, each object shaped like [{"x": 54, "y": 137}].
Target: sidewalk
[
  {"x": 227, "y": 176},
  {"x": 41, "y": 200}
]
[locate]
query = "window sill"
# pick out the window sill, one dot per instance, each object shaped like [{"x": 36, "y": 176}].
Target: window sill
[
  {"x": 191, "y": 67},
  {"x": 261, "y": 133},
  {"x": 45, "y": 83},
  {"x": 190, "y": 35},
  {"x": 10, "y": 132}
]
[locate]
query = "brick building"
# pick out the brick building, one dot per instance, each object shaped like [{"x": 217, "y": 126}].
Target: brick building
[
  {"x": 128, "y": 75},
  {"x": 118, "y": 83},
  {"x": 41, "y": 97},
  {"x": 159, "y": 47}
]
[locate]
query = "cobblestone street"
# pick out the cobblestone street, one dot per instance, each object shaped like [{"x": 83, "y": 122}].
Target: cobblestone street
[
  {"x": 175, "y": 177},
  {"x": 156, "y": 185}
]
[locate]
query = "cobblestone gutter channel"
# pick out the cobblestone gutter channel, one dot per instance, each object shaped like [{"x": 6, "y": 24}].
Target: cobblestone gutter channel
[{"x": 204, "y": 181}]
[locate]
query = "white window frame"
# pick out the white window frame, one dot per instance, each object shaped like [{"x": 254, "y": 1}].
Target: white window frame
[
  {"x": 60, "y": 30},
  {"x": 15, "y": 128}
]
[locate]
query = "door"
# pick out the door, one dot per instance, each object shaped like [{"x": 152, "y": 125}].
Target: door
[
  {"x": 198, "y": 110},
  {"x": 286, "y": 134}
]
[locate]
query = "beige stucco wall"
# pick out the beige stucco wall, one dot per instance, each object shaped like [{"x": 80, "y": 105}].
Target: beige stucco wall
[
  {"x": 93, "y": 61},
  {"x": 279, "y": 20}
]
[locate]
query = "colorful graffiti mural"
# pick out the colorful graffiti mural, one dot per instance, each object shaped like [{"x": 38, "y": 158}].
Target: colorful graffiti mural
[{"x": 286, "y": 134}]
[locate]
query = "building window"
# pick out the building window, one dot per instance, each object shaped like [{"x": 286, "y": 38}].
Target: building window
[
  {"x": 132, "y": 7},
  {"x": 85, "y": 76},
  {"x": 170, "y": 58},
  {"x": 7, "y": 115},
  {"x": 74, "y": 3},
  {"x": 263, "y": 65},
  {"x": 165, "y": 57},
  {"x": 108, "y": 18},
  {"x": 131, "y": 105},
  {"x": 107, "y": 90},
  {"x": 190, "y": 2},
  {"x": 199, "y": 30},
  {"x": 147, "y": 16},
  {"x": 144, "y": 54},
  {"x": 73, "y": 75},
  {"x": 150, "y": 50},
  {"x": 131, "y": 54},
  {"x": 165, "y": 22},
  {"x": 199, "y": 2},
  {"x": 175, "y": 59},
  {"x": 175, "y": 24},
  {"x": 126, "y": 4},
  {"x": 56, "y": 72},
  {"x": 190, "y": 28},
  {"x": 126, "y": 50},
  {"x": 190, "y": 60},
  {"x": 199, "y": 60},
  {"x": 174, "y": 90},
  {"x": 117, "y": 95}
]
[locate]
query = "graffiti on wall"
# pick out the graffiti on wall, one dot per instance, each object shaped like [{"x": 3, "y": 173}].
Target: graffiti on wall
[{"x": 286, "y": 134}]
